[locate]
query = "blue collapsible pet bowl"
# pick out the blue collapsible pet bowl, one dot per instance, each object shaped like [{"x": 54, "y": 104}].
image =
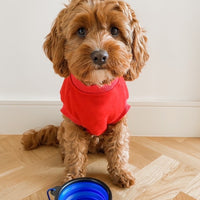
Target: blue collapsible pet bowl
[{"x": 81, "y": 189}]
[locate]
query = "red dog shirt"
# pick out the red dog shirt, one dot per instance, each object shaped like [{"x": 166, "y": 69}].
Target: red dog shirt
[{"x": 94, "y": 107}]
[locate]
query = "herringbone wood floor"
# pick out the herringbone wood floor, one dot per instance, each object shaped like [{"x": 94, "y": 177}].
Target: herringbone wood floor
[{"x": 165, "y": 168}]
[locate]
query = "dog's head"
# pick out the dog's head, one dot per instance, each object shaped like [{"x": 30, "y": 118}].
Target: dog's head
[{"x": 97, "y": 41}]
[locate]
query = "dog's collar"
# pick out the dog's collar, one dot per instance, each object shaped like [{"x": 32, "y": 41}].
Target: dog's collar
[{"x": 93, "y": 88}]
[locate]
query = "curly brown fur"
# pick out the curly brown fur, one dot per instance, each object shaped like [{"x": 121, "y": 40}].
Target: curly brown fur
[
  {"x": 116, "y": 147},
  {"x": 31, "y": 139},
  {"x": 74, "y": 143},
  {"x": 71, "y": 53}
]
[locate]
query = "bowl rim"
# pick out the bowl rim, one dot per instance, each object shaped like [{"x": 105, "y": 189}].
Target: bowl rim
[{"x": 83, "y": 179}]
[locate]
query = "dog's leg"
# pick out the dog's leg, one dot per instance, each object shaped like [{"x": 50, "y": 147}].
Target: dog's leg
[
  {"x": 75, "y": 142},
  {"x": 116, "y": 147},
  {"x": 60, "y": 138}
]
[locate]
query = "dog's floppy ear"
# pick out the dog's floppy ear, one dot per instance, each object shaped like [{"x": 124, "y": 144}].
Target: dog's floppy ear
[
  {"x": 139, "y": 49},
  {"x": 54, "y": 46}
]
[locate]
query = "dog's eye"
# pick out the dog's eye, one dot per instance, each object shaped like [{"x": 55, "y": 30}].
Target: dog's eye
[
  {"x": 81, "y": 32},
  {"x": 114, "y": 31}
]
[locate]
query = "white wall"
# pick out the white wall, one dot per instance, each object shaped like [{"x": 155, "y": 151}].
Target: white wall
[
  {"x": 25, "y": 72},
  {"x": 173, "y": 28},
  {"x": 171, "y": 74}
]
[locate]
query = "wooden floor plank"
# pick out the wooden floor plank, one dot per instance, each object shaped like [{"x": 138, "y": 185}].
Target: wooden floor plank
[
  {"x": 193, "y": 147},
  {"x": 170, "y": 152},
  {"x": 8, "y": 143},
  {"x": 140, "y": 156},
  {"x": 170, "y": 184},
  {"x": 193, "y": 188},
  {"x": 183, "y": 196},
  {"x": 9, "y": 164}
]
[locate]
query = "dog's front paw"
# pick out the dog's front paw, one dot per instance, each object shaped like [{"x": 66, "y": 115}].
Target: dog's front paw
[
  {"x": 69, "y": 177},
  {"x": 123, "y": 178}
]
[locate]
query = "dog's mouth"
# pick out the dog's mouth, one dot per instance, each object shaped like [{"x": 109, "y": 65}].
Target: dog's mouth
[
  {"x": 99, "y": 68},
  {"x": 99, "y": 76}
]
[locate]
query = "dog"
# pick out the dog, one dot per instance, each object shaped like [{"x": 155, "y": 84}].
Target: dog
[{"x": 95, "y": 45}]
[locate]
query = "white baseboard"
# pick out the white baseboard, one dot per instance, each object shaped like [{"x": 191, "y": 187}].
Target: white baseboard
[
  {"x": 19, "y": 116},
  {"x": 168, "y": 119},
  {"x": 177, "y": 119}
]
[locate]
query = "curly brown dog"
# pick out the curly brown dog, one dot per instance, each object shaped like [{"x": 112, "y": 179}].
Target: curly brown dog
[{"x": 96, "y": 45}]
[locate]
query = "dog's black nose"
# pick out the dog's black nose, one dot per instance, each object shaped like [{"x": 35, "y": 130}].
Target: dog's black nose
[{"x": 99, "y": 57}]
